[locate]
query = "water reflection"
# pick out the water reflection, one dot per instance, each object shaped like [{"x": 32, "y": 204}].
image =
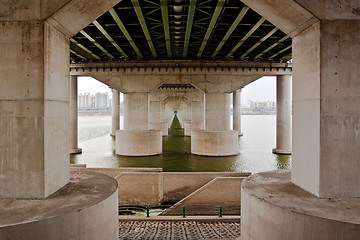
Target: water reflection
[{"x": 255, "y": 152}]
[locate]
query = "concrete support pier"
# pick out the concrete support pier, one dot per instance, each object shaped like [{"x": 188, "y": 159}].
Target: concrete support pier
[
  {"x": 74, "y": 149},
  {"x": 136, "y": 139},
  {"x": 155, "y": 118},
  {"x": 237, "y": 111},
  {"x": 115, "y": 112},
  {"x": 217, "y": 139},
  {"x": 283, "y": 115}
]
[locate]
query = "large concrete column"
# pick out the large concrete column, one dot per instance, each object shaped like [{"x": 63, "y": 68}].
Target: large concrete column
[
  {"x": 217, "y": 139},
  {"x": 74, "y": 116},
  {"x": 136, "y": 139},
  {"x": 155, "y": 118},
  {"x": 115, "y": 112},
  {"x": 237, "y": 111},
  {"x": 283, "y": 115},
  {"x": 217, "y": 111}
]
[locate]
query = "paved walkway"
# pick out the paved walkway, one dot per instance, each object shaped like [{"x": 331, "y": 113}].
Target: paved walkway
[{"x": 190, "y": 230}]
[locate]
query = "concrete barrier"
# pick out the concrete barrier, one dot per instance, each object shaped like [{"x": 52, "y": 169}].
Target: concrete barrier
[
  {"x": 214, "y": 143},
  {"x": 138, "y": 142},
  {"x": 221, "y": 191},
  {"x": 113, "y": 172}
]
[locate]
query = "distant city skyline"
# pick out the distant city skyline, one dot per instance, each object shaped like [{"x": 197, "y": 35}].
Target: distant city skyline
[{"x": 263, "y": 89}]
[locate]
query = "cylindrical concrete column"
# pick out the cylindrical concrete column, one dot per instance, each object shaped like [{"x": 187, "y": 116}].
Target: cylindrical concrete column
[
  {"x": 115, "y": 112},
  {"x": 154, "y": 111},
  {"x": 283, "y": 115},
  {"x": 237, "y": 111},
  {"x": 74, "y": 116},
  {"x": 136, "y": 111},
  {"x": 217, "y": 111}
]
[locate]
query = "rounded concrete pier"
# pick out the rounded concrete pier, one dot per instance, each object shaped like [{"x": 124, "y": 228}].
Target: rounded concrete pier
[
  {"x": 192, "y": 126},
  {"x": 214, "y": 143},
  {"x": 138, "y": 142},
  {"x": 162, "y": 126},
  {"x": 86, "y": 208},
  {"x": 273, "y": 208},
  {"x": 115, "y": 112}
]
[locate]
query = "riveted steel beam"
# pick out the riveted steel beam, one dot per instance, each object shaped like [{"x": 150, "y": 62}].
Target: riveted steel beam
[
  {"x": 141, "y": 19},
  {"x": 215, "y": 16},
  {"x": 252, "y": 30},
  {"x": 108, "y": 37},
  {"x": 165, "y": 18},
  {"x": 231, "y": 30},
  {"x": 124, "y": 31},
  {"x": 259, "y": 42},
  {"x": 96, "y": 44},
  {"x": 271, "y": 47},
  {"x": 85, "y": 49},
  {"x": 280, "y": 52},
  {"x": 189, "y": 24}
]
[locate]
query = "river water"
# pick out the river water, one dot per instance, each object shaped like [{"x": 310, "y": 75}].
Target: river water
[{"x": 255, "y": 148}]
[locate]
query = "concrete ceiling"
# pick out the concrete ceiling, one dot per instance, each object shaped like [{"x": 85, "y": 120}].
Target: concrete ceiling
[{"x": 180, "y": 29}]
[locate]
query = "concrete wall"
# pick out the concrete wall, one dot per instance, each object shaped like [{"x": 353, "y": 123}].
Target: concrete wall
[
  {"x": 157, "y": 188},
  {"x": 221, "y": 191}
]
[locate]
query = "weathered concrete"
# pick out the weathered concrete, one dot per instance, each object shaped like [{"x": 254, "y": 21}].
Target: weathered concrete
[
  {"x": 273, "y": 208},
  {"x": 237, "y": 111},
  {"x": 74, "y": 116},
  {"x": 138, "y": 142},
  {"x": 115, "y": 112},
  {"x": 136, "y": 111},
  {"x": 283, "y": 115},
  {"x": 214, "y": 143},
  {"x": 221, "y": 191},
  {"x": 192, "y": 126},
  {"x": 217, "y": 111},
  {"x": 162, "y": 126},
  {"x": 86, "y": 208},
  {"x": 34, "y": 109},
  {"x": 141, "y": 188},
  {"x": 113, "y": 172}
]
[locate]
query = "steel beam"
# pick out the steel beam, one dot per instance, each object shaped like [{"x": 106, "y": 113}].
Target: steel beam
[
  {"x": 271, "y": 47},
  {"x": 124, "y": 31},
  {"x": 259, "y": 42},
  {"x": 231, "y": 30},
  {"x": 85, "y": 49},
  {"x": 215, "y": 16},
  {"x": 165, "y": 18},
  {"x": 189, "y": 24},
  {"x": 96, "y": 44},
  {"x": 280, "y": 52},
  {"x": 252, "y": 30},
  {"x": 103, "y": 31},
  {"x": 141, "y": 18},
  {"x": 77, "y": 54}
]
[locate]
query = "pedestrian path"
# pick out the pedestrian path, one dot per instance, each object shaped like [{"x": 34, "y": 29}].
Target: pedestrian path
[{"x": 178, "y": 230}]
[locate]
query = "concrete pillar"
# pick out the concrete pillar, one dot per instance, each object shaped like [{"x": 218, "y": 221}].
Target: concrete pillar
[
  {"x": 283, "y": 115},
  {"x": 154, "y": 111},
  {"x": 197, "y": 110},
  {"x": 115, "y": 112},
  {"x": 34, "y": 109},
  {"x": 74, "y": 116},
  {"x": 237, "y": 111},
  {"x": 217, "y": 111},
  {"x": 136, "y": 111}
]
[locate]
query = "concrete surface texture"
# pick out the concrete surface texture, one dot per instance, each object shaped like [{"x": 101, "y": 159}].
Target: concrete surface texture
[
  {"x": 86, "y": 208},
  {"x": 113, "y": 172},
  {"x": 273, "y": 208},
  {"x": 214, "y": 143},
  {"x": 221, "y": 191},
  {"x": 138, "y": 142},
  {"x": 283, "y": 115},
  {"x": 155, "y": 189},
  {"x": 74, "y": 116},
  {"x": 237, "y": 111},
  {"x": 115, "y": 112}
]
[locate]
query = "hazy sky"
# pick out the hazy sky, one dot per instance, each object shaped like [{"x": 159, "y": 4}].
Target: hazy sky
[{"x": 263, "y": 89}]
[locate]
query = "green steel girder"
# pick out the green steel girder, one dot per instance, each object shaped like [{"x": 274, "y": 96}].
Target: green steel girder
[
  {"x": 122, "y": 27},
  {"x": 201, "y": 10},
  {"x": 108, "y": 37},
  {"x": 152, "y": 11},
  {"x": 96, "y": 44},
  {"x": 280, "y": 52},
  {"x": 72, "y": 59},
  {"x": 151, "y": 2},
  {"x": 259, "y": 42},
  {"x": 165, "y": 18},
  {"x": 189, "y": 24},
  {"x": 85, "y": 49},
  {"x": 215, "y": 16},
  {"x": 78, "y": 55},
  {"x": 204, "y": 2},
  {"x": 141, "y": 19},
  {"x": 271, "y": 47},
  {"x": 231, "y": 30},
  {"x": 252, "y": 30}
]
